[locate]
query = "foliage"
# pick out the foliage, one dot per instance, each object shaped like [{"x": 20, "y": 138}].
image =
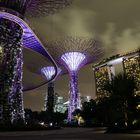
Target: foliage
[
  {"x": 121, "y": 89},
  {"x": 11, "y": 71},
  {"x": 34, "y": 117}
]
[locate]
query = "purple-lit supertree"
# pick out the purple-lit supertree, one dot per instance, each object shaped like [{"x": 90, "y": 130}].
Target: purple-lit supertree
[
  {"x": 12, "y": 30},
  {"x": 11, "y": 76},
  {"x": 49, "y": 71},
  {"x": 73, "y": 53}
]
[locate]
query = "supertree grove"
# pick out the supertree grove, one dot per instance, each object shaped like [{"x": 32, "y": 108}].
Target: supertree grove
[
  {"x": 15, "y": 33},
  {"x": 73, "y": 53}
]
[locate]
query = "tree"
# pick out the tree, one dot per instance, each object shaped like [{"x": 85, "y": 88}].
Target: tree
[
  {"x": 109, "y": 112},
  {"x": 122, "y": 88},
  {"x": 88, "y": 112}
]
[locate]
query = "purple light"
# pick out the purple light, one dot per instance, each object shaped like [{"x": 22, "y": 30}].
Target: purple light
[
  {"x": 12, "y": 103},
  {"x": 26, "y": 38},
  {"x": 30, "y": 40},
  {"x": 73, "y": 60},
  {"x": 48, "y": 72}
]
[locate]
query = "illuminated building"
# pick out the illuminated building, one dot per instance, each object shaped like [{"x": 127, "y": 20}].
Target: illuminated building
[
  {"x": 102, "y": 74},
  {"x": 74, "y": 53},
  {"x": 132, "y": 68},
  {"x": 79, "y": 105},
  {"x": 85, "y": 99},
  {"x": 105, "y": 70},
  {"x": 59, "y": 105}
]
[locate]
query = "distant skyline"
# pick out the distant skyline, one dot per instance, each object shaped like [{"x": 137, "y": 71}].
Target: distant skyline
[
  {"x": 35, "y": 99},
  {"x": 115, "y": 23}
]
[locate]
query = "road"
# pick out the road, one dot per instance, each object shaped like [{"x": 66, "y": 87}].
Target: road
[{"x": 67, "y": 134}]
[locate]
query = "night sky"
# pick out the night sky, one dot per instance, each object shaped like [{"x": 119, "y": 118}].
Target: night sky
[{"x": 116, "y": 23}]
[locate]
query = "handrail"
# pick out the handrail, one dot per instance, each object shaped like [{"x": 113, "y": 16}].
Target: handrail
[{"x": 30, "y": 41}]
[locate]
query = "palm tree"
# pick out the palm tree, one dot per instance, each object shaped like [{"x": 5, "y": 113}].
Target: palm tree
[{"x": 122, "y": 88}]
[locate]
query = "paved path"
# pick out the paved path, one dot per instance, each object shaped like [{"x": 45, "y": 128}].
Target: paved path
[{"x": 67, "y": 134}]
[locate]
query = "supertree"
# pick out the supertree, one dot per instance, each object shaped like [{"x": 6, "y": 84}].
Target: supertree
[
  {"x": 11, "y": 65},
  {"x": 73, "y": 53},
  {"x": 15, "y": 33},
  {"x": 49, "y": 71},
  {"x": 35, "y": 7}
]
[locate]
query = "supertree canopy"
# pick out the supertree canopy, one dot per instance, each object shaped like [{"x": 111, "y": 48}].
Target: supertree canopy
[
  {"x": 73, "y": 53},
  {"x": 35, "y": 7},
  {"x": 73, "y": 60},
  {"x": 48, "y": 71}
]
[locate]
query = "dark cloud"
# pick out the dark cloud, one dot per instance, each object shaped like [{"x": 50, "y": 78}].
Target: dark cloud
[{"x": 115, "y": 22}]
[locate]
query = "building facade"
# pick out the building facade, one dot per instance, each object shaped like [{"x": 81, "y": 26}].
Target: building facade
[
  {"x": 102, "y": 74},
  {"x": 58, "y": 104},
  {"x": 131, "y": 66},
  {"x": 106, "y": 70}
]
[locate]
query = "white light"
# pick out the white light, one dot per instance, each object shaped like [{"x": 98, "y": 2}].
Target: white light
[
  {"x": 1, "y": 49},
  {"x": 115, "y": 61},
  {"x": 138, "y": 107},
  {"x": 48, "y": 71},
  {"x": 73, "y": 60},
  {"x": 42, "y": 123},
  {"x": 51, "y": 124},
  {"x": 88, "y": 98}
]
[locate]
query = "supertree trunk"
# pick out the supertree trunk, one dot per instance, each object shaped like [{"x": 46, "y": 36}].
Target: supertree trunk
[
  {"x": 11, "y": 102},
  {"x": 18, "y": 94},
  {"x": 50, "y": 100},
  {"x": 73, "y": 95}
]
